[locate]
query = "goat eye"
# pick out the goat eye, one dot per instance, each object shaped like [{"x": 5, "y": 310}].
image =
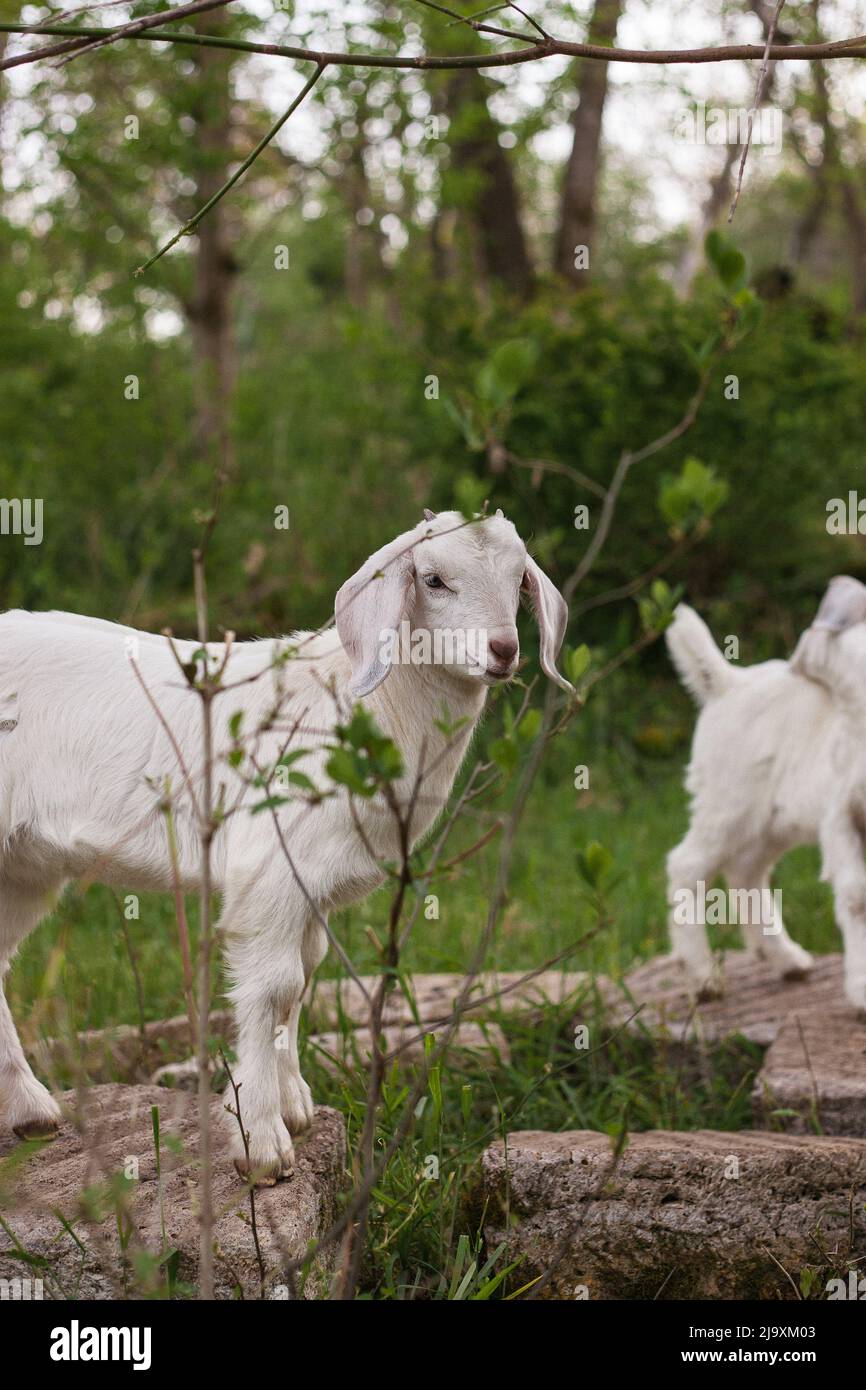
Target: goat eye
[{"x": 433, "y": 581}]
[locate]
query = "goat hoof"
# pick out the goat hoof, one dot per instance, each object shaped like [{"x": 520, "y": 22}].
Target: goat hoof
[
  {"x": 855, "y": 992},
  {"x": 269, "y": 1155},
  {"x": 260, "y": 1180},
  {"x": 794, "y": 963},
  {"x": 37, "y": 1129},
  {"x": 703, "y": 989},
  {"x": 297, "y": 1107},
  {"x": 260, "y": 1177}
]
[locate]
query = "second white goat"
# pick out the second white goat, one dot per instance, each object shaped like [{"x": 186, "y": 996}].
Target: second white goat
[{"x": 776, "y": 762}]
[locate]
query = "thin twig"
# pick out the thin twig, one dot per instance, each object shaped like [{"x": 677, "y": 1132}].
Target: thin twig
[
  {"x": 480, "y": 28},
  {"x": 626, "y": 462},
  {"x": 207, "y": 830},
  {"x": 245, "y": 1140},
  {"x": 189, "y": 227},
  {"x": 182, "y": 924},
  {"x": 759, "y": 94},
  {"x": 554, "y": 466},
  {"x": 534, "y": 22},
  {"x": 634, "y": 586},
  {"x": 790, "y": 1280}
]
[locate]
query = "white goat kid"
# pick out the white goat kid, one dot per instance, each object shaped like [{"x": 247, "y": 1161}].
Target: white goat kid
[
  {"x": 83, "y": 759},
  {"x": 775, "y": 763}
]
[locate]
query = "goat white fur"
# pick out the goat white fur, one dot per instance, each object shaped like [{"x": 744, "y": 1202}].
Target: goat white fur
[
  {"x": 777, "y": 760},
  {"x": 83, "y": 757}
]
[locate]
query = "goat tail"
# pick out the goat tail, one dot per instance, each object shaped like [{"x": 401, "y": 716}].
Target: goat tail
[{"x": 700, "y": 665}]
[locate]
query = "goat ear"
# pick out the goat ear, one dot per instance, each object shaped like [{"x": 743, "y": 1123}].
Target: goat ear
[
  {"x": 551, "y": 613},
  {"x": 369, "y": 609},
  {"x": 428, "y": 515},
  {"x": 843, "y": 605}
]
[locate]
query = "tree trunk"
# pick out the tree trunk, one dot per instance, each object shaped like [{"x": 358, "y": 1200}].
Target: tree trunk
[
  {"x": 829, "y": 174},
  {"x": 495, "y": 209},
  {"x": 577, "y": 216},
  {"x": 809, "y": 225},
  {"x": 209, "y": 309},
  {"x": 855, "y": 220}
]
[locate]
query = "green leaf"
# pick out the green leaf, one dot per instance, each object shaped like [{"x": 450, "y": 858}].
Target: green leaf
[
  {"x": 529, "y": 725},
  {"x": 504, "y": 753},
  {"x": 342, "y": 767},
  {"x": 288, "y": 758},
  {"x": 726, "y": 259},
  {"x": 388, "y": 763},
  {"x": 708, "y": 347},
  {"x": 447, "y": 726},
  {"x": 300, "y": 779},
  {"x": 466, "y": 423},
  {"x": 595, "y": 864},
  {"x": 656, "y": 608},
  {"x": 366, "y": 757},
  {"x": 507, "y": 369},
  {"x": 694, "y": 494},
  {"x": 235, "y": 723},
  {"x": 807, "y": 1281},
  {"x": 577, "y": 661},
  {"x": 470, "y": 494},
  {"x": 270, "y": 803},
  {"x": 749, "y": 310}
]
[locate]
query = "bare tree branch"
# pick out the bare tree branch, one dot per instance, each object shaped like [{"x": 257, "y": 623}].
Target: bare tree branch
[
  {"x": 854, "y": 47},
  {"x": 98, "y": 38}
]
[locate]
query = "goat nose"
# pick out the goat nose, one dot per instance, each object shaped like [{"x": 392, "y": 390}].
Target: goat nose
[{"x": 504, "y": 648}]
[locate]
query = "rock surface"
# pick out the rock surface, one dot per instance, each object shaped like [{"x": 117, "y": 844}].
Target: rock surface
[
  {"x": 117, "y": 1123},
  {"x": 755, "y": 1004},
  {"x": 667, "y": 1221},
  {"x": 123, "y": 1053},
  {"x": 816, "y": 1068}
]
